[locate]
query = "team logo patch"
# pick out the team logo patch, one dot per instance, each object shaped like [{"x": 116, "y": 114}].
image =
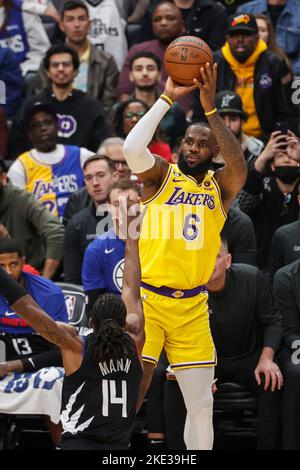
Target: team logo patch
[
  {"x": 67, "y": 125},
  {"x": 118, "y": 275},
  {"x": 265, "y": 81},
  {"x": 178, "y": 294}
]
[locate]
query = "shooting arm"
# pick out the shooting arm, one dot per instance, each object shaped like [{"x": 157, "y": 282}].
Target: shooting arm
[
  {"x": 139, "y": 158},
  {"x": 232, "y": 177}
]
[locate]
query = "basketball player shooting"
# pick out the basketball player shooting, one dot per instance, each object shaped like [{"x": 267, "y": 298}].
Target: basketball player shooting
[{"x": 178, "y": 261}]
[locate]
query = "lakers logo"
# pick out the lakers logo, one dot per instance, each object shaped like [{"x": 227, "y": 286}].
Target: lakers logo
[{"x": 177, "y": 294}]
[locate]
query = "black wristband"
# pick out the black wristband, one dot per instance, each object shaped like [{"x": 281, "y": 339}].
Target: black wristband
[{"x": 10, "y": 288}]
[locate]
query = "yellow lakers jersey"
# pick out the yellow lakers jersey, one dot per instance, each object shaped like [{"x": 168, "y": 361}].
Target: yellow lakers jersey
[
  {"x": 180, "y": 236},
  {"x": 53, "y": 184}
]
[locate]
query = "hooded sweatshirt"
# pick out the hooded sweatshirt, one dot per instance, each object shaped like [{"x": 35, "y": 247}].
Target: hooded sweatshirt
[{"x": 245, "y": 85}]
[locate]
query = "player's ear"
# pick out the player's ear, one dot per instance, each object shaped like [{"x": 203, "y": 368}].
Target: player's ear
[
  {"x": 216, "y": 151},
  {"x": 130, "y": 77}
]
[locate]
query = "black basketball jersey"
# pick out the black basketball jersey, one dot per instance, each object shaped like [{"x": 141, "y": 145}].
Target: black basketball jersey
[{"x": 99, "y": 399}]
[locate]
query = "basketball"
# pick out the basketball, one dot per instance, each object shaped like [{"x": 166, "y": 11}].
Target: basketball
[{"x": 184, "y": 57}]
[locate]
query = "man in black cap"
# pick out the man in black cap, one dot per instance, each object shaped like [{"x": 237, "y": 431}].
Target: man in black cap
[
  {"x": 259, "y": 77},
  {"x": 50, "y": 171},
  {"x": 230, "y": 108}
]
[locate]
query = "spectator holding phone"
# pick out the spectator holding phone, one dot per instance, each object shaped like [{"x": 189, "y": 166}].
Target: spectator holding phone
[{"x": 270, "y": 195}]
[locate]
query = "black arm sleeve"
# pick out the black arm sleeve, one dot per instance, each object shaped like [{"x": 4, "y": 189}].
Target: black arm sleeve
[
  {"x": 39, "y": 361},
  {"x": 10, "y": 288}
]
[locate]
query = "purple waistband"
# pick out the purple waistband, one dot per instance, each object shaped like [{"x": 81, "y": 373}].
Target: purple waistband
[{"x": 174, "y": 293}]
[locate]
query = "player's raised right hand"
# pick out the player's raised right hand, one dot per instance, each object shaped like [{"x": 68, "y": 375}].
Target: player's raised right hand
[{"x": 175, "y": 91}]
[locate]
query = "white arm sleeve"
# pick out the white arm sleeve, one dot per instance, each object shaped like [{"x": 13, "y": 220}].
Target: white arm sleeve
[
  {"x": 138, "y": 156},
  {"x": 38, "y": 42},
  {"x": 84, "y": 155},
  {"x": 16, "y": 175}
]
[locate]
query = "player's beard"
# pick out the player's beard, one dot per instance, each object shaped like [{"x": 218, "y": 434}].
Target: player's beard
[{"x": 199, "y": 169}]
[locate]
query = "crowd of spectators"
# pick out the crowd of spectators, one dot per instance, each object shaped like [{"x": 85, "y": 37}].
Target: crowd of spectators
[{"x": 75, "y": 78}]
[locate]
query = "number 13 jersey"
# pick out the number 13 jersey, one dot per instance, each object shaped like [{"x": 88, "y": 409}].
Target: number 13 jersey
[{"x": 180, "y": 236}]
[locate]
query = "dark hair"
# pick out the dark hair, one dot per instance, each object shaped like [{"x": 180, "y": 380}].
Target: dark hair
[
  {"x": 119, "y": 115},
  {"x": 10, "y": 245},
  {"x": 95, "y": 158},
  {"x": 124, "y": 185},
  {"x": 224, "y": 242},
  {"x": 108, "y": 318},
  {"x": 3, "y": 168},
  {"x": 61, "y": 49},
  {"x": 148, "y": 55},
  {"x": 72, "y": 5}
]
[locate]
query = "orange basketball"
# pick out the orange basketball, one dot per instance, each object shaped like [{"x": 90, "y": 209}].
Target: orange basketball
[{"x": 184, "y": 57}]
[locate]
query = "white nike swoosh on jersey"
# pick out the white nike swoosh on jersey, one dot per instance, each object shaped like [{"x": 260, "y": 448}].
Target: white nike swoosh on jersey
[
  {"x": 106, "y": 251},
  {"x": 9, "y": 314}
]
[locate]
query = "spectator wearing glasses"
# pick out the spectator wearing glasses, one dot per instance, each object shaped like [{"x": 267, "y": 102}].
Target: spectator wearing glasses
[
  {"x": 113, "y": 149},
  {"x": 81, "y": 119},
  {"x": 270, "y": 195},
  {"x": 98, "y": 73},
  {"x": 127, "y": 114}
]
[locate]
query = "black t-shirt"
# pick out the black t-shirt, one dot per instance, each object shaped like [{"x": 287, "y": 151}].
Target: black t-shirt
[
  {"x": 285, "y": 247},
  {"x": 99, "y": 399},
  {"x": 239, "y": 233},
  {"x": 287, "y": 294},
  {"x": 25, "y": 345},
  {"x": 275, "y": 12},
  {"x": 244, "y": 317},
  {"x": 274, "y": 210},
  {"x": 82, "y": 229}
]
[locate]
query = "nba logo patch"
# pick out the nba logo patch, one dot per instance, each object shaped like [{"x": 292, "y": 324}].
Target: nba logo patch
[{"x": 265, "y": 81}]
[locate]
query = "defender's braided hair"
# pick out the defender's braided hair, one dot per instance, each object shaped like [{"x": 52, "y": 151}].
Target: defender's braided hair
[{"x": 108, "y": 318}]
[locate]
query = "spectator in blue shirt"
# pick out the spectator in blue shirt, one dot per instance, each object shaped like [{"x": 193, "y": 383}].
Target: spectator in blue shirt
[
  {"x": 11, "y": 82},
  {"x": 103, "y": 263}
]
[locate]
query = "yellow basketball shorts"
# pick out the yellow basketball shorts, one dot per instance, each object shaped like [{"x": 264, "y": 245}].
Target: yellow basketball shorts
[{"x": 179, "y": 325}]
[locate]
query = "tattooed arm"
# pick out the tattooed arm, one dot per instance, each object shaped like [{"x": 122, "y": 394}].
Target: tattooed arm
[
  {"x": 61, "y": 334},
  {"x": 233, "y": 176}
]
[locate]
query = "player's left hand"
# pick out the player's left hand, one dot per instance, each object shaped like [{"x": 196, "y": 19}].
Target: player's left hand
[
  {"x": 271, "y": 372},
  {"x": 207, "y": 86}
]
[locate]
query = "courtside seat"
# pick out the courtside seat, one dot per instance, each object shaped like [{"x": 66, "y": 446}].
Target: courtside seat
[
  {"x": 231, "y": 396},
  {"x": 16, "y": 431},
  {"x": 76, "y": 306}
]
